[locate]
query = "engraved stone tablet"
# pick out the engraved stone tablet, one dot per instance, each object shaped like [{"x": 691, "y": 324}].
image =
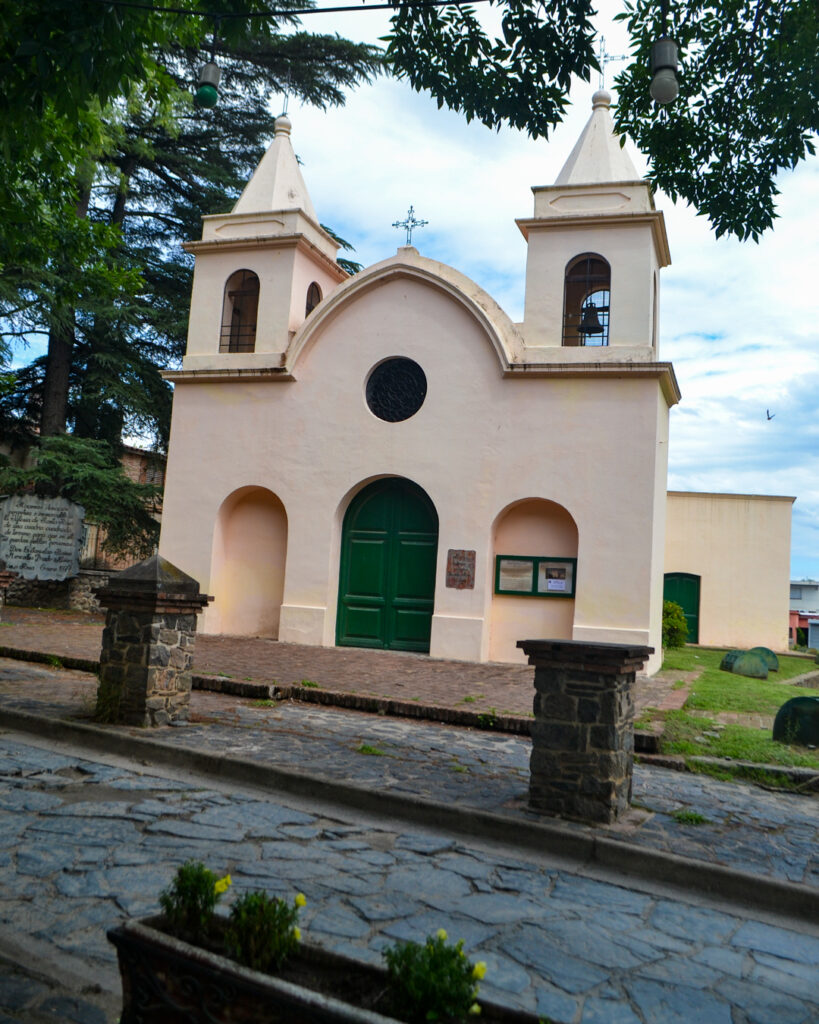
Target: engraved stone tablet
[
  {"x": 460, "y": 569},
  {"x": 40, "y": 538}
]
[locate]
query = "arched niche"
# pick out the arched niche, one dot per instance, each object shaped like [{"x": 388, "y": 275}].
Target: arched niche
[
  {"x": 249, "y": 555},
  {"x": 534, "y": 528}
]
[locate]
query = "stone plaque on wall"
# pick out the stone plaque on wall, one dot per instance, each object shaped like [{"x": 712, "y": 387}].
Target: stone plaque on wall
[
  {"x": 40, "y": 538},
  {"x": 460, "y": 569}
]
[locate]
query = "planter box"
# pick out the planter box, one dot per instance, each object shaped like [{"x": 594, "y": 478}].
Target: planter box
[{"x": 166, "y": 981}]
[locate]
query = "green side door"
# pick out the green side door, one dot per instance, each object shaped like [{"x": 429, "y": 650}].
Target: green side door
[
  {"x": 684, "y": 589},
  {"x": 389, "y": 550}
]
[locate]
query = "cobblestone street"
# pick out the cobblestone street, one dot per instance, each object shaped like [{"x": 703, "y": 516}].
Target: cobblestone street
[{"x": 91, "y": 841}]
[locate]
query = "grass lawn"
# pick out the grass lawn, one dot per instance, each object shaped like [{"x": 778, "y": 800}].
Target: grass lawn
[{"x": 717, "y": 691}]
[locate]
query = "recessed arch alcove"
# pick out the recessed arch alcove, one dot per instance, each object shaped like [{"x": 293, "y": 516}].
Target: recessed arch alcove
[
  {"x": 530, "y": 528},
  {"x": 248, "y": 563}
]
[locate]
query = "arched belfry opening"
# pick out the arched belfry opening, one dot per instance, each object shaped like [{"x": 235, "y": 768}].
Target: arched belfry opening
[
  {"x": 586, "y": 301},
  {"x": 239, "y": 313}
]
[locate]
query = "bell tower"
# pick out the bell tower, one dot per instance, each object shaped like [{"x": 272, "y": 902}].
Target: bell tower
[
  {"x": 596, "y": 245},
  {"x": 260, "y": 269}
]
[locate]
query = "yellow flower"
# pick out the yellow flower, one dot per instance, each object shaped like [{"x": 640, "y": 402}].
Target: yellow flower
[
  {"x": 479, "y": 970},
  {"x": 222, "y": 885},
  {"x": 441, "y": 934},
  {"x": 300, "y": 900},
  {"x": 297, "y": 934},
  {"x": 474, "y": 1010}
]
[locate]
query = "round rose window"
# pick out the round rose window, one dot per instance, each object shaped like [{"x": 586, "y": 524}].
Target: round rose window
[{"x": 396, "y": 389}]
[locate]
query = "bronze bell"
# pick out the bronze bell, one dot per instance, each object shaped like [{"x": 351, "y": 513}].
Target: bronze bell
[{"x": 590, "y": 324}]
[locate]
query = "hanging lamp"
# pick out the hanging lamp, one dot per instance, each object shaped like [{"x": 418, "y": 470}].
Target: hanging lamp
[{"x": 207, "y": 90}]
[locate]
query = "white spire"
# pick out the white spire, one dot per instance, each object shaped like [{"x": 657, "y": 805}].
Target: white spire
[
  {"x": 277, "y": 183},
  {"x": 598, "y": 156}
]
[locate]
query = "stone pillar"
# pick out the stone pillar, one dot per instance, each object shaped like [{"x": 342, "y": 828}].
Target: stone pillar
[
  {"x": 7, "y": 577},
  {"x": 583, "y": 732},
  {"x": 147, "y": 644}
]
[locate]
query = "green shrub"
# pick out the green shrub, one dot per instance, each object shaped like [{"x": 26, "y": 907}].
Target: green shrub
[
  {"x": 262, "y": 932},
  {"x": 675, "y": 628},
  {"x": 189, "y": 900},
  {"x": 432, "y": 981}
]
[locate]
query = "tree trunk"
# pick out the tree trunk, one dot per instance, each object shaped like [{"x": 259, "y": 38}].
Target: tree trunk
[
  {"x": 58, "y": 360},
  {"x": 55, "y": 387}
]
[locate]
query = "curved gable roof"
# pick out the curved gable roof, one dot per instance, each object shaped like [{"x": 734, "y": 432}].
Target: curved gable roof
[{"x": 498, "y": 329}]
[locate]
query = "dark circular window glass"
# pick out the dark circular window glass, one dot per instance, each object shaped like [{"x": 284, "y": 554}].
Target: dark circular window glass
[{"x": 396, "y": 389}]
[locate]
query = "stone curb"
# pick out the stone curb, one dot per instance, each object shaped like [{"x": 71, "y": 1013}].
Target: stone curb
[
  {"x": 680, "y": 763},
  {"x": 741, "y": 888},
  {"x": 52, "y": 660}
]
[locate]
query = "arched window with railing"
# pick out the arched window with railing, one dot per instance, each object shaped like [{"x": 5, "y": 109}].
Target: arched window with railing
[
  {"x": 586, "y": 301},
  {"x": 313, "y": 298},
  {"x": 239, "y": 313}
]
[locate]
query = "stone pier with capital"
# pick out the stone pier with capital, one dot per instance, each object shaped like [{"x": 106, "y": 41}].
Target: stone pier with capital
[
  {"x": 583, "y": 732},
  {"x": 147, "y": 644}
]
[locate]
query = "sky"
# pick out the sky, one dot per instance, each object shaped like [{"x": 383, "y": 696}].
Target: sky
[{"x": 737, "y": 318}]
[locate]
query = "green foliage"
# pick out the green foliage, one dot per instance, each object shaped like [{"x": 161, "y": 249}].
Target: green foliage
[
  {"x": 749, "y": 87},
  {"x": 675, "y": 628},
  {"x": 189, "y": 901},
  {"x": 367, "y": 748},
  {"x": 432, "y": 981},
  {"x": 89, "y": 473},
  {"x": 93, "y": 215},
  {"x": 262, "y": 932},
  {"x": 686, "y": 817},
  {"x": 684, "y": 734},
  {"x": 690, "y": 658},
  {"x": 748, "y": 104},
  {"x": 521, "y": 79},
  {"x": 488, "y": 719}
]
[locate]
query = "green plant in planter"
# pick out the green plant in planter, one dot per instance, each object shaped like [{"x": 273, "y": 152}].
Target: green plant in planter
[
  {"x": 190, "y": 899},
  {"x": 432, "y": 981},
  {"x": 262, "y": 932}
]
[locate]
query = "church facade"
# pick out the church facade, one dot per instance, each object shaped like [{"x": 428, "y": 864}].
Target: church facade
[{"x": 387, "y": 460}]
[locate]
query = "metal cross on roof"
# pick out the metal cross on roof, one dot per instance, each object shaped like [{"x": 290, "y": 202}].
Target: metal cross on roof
[
  {"x": 410, "y": 223},
  {"x": 604, "y": 58}
]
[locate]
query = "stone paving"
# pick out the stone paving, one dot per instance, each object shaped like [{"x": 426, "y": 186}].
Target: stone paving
[
  {"x": 89, "y": 840},
  {"x": 741, "y": 826}
]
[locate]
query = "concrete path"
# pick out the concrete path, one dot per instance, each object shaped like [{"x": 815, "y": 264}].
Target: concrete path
[{"x": 87, "y": 840}]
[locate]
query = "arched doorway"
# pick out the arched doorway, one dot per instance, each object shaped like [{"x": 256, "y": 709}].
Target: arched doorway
[{"x": 389, "y": 548}]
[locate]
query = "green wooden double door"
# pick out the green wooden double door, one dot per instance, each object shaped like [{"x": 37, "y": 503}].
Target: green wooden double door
[{"x": 389, "y": 549}]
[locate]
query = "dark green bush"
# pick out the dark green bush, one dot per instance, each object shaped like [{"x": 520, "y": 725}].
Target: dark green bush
[
  {"x": 262, "y": 932},
  {"x": 432, "y": 981},
  {"x": 189, "y": 900},
  {"x": 675, "y": 628}
]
